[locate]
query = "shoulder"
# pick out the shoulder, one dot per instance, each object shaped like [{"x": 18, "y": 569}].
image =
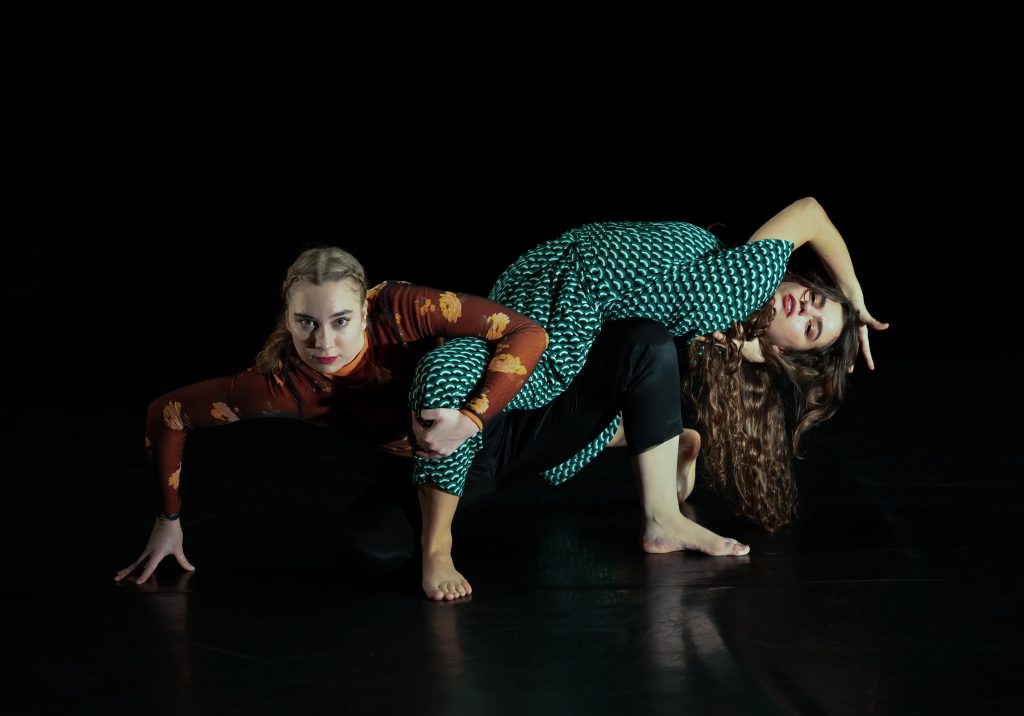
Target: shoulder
[{"x": 393, "y": 290}]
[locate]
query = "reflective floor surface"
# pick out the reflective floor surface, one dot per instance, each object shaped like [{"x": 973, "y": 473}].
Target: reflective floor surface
[{"x": 898, "y": 591}]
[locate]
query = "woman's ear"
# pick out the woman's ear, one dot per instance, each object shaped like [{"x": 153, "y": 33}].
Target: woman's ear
[
  {"x": 778, "y": 349},
  {"x": 366, "y": 306}
]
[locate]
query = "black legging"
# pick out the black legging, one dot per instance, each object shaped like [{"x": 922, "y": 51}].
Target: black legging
[{"x": 632, "y": 368}]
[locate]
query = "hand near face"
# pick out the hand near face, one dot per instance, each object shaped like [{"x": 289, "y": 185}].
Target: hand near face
[{"x": 864, "y": 321}]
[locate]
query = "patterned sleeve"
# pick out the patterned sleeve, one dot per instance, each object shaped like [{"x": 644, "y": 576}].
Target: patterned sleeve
[
  {"x": 710, "y": 293},
  {"x": 202, "y": 405},
  {"x": 514, "y": 341}
]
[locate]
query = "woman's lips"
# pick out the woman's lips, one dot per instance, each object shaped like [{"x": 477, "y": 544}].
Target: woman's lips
[
  {"x": 787, "y": 304},
  {"x": 326, "y": 361}
]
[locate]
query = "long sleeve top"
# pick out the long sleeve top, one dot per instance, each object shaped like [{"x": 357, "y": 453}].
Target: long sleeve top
[
  {"x": 672, "y": 272},
  {"x": 367, "y": 399}
]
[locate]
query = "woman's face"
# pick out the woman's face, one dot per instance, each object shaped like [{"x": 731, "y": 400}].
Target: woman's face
[
  {"x": 804, "y": 319},
  {"x": 326, "y": 323}
]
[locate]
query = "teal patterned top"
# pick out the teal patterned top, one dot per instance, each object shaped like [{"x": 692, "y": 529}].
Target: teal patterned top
[{"x": 673, "y": 272}]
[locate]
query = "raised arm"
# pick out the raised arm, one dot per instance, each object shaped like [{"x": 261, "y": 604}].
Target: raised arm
[{"x": 805, "y": 222}]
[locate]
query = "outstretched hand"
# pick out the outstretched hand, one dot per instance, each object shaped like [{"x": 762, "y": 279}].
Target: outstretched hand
[
  {"x": 166, "y": 538},
  {"x": 441, "y": 431},
  {"x": 864, "y": 321}
]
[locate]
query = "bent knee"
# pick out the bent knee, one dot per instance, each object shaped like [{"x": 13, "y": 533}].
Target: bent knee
[
  {"x": 645, "y": 331},
  {"x": 650, "y": 341}
]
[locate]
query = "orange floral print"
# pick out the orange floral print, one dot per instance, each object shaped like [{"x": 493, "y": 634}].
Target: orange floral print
[
  {"x": 507, "y": 363},
  {"x": 175, "y": 479},
  {"x": 451, "y": 306},
  {"x": 496, "y": 325},
  {"x": 372, "y": 292},
  {"x": 427, "y": 307},
  {"x": 479, "y": 405},
  {"x": 223, "y": 413},
  {"x": 172, "y": 416}
]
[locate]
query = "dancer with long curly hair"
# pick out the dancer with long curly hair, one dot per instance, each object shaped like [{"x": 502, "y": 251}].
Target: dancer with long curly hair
[{"x": 769, "y": 354}]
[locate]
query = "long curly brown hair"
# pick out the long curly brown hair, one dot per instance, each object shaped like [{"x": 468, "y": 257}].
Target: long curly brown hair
[{"x": 747, "y": 411}]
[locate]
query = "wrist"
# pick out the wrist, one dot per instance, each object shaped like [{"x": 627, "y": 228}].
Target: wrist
[{"x": 472, "y": 418}]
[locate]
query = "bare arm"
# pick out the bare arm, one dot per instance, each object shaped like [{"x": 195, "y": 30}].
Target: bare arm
[{"x": 805, "y": 222}]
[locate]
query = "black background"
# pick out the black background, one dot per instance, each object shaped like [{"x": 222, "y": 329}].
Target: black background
[
  {"x": 163, "y": 170},
  {"x": 162, "y": 167}
]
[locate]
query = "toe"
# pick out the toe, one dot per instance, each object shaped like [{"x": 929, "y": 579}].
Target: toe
[{"x": 739, "y": 549}]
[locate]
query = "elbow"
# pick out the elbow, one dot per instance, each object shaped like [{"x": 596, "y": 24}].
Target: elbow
[
  {"x": 165, "y": 412},
  {"x": 811, "y": 205},
  {"x": 154, "y": 411}
]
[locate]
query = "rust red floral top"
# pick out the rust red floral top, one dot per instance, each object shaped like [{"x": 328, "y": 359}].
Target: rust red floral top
[{"x": 368, "y": 398}]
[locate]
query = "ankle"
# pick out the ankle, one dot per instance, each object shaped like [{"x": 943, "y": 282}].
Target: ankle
[
  {"x": 437, "y": 547},
  {"x": 663, "y": 518}
]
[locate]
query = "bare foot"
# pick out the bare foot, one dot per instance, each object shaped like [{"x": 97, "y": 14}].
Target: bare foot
[
  {"x": 683, "y": 533},
  {"x": 441, "y": 581},
  {"x": 686, "y": 466}
]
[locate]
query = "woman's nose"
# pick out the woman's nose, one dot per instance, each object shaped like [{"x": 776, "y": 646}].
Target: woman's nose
[{"x": 809, "y": 308}]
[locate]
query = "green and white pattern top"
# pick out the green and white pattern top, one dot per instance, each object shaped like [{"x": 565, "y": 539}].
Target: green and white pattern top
[{"x": 673, "y": 272}]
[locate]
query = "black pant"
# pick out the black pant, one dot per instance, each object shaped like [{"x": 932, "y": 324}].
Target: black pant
[{"x": 632, "y": 368}]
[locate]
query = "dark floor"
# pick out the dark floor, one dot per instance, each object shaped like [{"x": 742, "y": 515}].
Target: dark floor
[{"x": 898, "y": 592}]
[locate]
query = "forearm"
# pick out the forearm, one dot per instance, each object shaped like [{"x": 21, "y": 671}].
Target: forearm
[
  {"x": 514, "y": 359},
  {"x": 209, "y": 403},
  {"x": 832, "y": 251},
  {"x": 805, "y": 222},
  {"x": 514, "y": 341}
]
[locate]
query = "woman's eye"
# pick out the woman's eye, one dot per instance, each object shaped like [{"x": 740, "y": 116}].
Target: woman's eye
[
  {"x": 341, "y": 322},
  {"x": 307, "y": 323}
]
